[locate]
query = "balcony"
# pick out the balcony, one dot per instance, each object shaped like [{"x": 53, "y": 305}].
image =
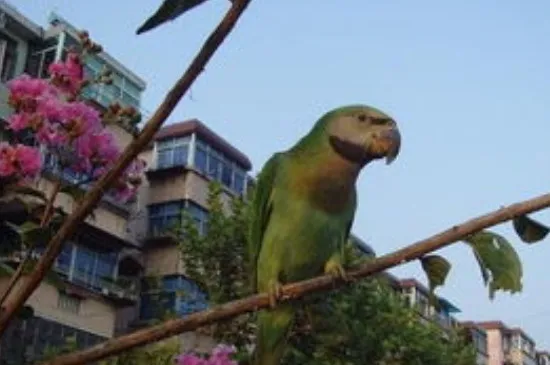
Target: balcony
[
  {"x": 51, "y": 167},
  {"x": 122, "y": 289}
]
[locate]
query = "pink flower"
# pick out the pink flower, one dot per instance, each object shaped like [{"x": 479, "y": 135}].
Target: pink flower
[
  {"x": 19, "y": 160},
  {"x": 68, "y": 76},
  {"x": 29, "y": 159},
  {"x": 190, "y": 359},
  {"x": 19, "y": 121},
  {"x": 26, "y": 92},
  {"x": 78, "y": 118}
]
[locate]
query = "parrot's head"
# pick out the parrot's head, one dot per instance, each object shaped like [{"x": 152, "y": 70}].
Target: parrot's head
[{"x": 360, "y": 133}]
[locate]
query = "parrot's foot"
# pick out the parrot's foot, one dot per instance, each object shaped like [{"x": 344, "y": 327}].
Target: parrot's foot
[
  {"x": 337, "y": 271},
  {"x": 275, "y": 292}
]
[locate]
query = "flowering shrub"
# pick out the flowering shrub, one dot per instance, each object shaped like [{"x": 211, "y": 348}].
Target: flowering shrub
[
  {"x": 70, "y": 132},
  {"x": 221, "y": 355}
]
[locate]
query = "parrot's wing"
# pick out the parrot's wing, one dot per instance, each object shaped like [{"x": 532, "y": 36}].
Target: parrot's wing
[
  {"x": 261, "y": 211},
  {"x": 169, "y": 10}
]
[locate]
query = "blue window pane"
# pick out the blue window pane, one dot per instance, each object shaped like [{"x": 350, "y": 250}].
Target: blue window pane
[
  {"x": 63, "y": 262},
  {"x": 214, "y": 166},
  {"x": 227, "y": 173},
  {"x": 200, "y": 159},
  {"x": 84, "y": 266},
  {"x": 164, "y": 158},
  {"x": 105, "y": 268},
  {"x": 238, "y": 181},
  {"x": 180, "y": 155}
]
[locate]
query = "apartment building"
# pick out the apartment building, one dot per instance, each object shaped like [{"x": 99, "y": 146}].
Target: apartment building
[
  {"x": 102, "y": 293},
  {"x": 543, "y": 358},
  {"x": 101, "y": 265},
  {"x": 183, "y": 158},
  {"x": 511, "y": 346}
]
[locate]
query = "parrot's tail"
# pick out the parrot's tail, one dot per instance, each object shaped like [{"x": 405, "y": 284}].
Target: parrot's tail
[{"x": 274, "y": 326}]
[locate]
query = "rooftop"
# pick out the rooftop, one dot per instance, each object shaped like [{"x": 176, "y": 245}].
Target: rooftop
[
  {"x": 196, "y": 126},
  {"x": 499, "y": 325}
]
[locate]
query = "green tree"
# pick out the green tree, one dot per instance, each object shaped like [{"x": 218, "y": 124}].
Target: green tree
[
  {"x": 217, "y": 260},
  {"x": 363, "y": 323}
]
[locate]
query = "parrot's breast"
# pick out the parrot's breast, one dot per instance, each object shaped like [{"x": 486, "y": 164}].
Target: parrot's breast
[{"x": 303, "y": 237}]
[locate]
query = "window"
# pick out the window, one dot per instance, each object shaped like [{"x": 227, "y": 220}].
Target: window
[
  {"x": 218, "y": 166},
  {"x": 201, "y": 157},
  {"x": 92, "y": 268},
  {"x": 238, "y": 180},
  {"x": 214, "y": 165},
  {"x": 178, "y": 294},
  {"x": 167, "y": 216},
  {"x": 8, "y": 58},
  {"x": 68, "y": 303},
  {"x": 200, "y": 216},
  {"x": 63, "y": 261},
  {"x": 172, "y": 152},
  {"x": 164, "y": 217}
]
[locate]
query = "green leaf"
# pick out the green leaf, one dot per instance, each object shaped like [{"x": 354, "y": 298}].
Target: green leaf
[
  {"x": 5, "y": 270},
  {"x": 31, "y": 234},
  {"x": 436, "y": 268},
  {"x": 500, "y": 265},
  {"x": 529, "y": 230}
]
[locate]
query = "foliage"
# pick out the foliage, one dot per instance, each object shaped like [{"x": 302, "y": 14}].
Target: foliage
[
  {"x": 369, "y": 323},
  {"x": 363, "y": 323},
  {"x": 163, "y": 353},
  {"x": 217, "y": 261}
]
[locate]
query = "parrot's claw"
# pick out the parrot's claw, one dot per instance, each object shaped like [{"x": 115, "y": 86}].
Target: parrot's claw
[
  {"x": 337, "y": 271},
  {"x": 275, "y": 292}
]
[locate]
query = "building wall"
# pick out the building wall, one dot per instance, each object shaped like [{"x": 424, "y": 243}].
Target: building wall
[
  {"x": 103, "y": 218},
  {"x": 95, "y": 315},
  {"x": 494, "y": 347},
  {"x": 163, "y": 260}
]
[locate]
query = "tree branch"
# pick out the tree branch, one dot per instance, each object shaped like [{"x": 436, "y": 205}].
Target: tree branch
[
  {"x": 93, "y": 196},
  {"x": 299, "y": 289}
]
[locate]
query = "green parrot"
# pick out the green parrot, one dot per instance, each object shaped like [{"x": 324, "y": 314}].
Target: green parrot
[
  {"x": 168, "y": 10},
  {"x": 303, "y": 209}
]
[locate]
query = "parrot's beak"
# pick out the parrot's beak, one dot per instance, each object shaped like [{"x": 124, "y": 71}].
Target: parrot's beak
[
  {"x": 393, "y": 138},
  {"x": 385, "y": 143}
]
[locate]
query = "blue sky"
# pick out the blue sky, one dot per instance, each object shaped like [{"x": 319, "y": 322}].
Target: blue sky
[{"x": 468, "y": 82}]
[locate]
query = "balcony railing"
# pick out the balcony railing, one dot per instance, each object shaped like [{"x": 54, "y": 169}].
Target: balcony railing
[{"x": 123, "y": 287}]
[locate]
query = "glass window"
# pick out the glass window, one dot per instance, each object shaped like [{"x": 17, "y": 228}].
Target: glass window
[
  {"x": 163, "y": 217},
  {"x": 130, "y": 100},
  {"x": 201, "y": 158},
  {"x": 200, "y": 216},
  {"x": 106, "y": 263},
  {"x": 132, "y": 89},
  {"x": 238, "y": 181},
  {"x": 8, "y": 57},
  {"x": 214, "y": 165},
  {"x": 94, "y": 63},
  {"x": 227, "y": 173},
  {"x": 63, "y": 262},
  {"x": 172, "y": 152}
]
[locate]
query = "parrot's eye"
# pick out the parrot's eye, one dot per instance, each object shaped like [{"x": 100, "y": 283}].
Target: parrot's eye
[
  {"x": 362, "y": 117},
  {"x": 380, "y": 121}
]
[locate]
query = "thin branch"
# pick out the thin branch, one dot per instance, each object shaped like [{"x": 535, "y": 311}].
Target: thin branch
[
  {"x": 46, "y": 216},
  {"x": 93, "y": 196},
  {"x": 299, "y": 289}
]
